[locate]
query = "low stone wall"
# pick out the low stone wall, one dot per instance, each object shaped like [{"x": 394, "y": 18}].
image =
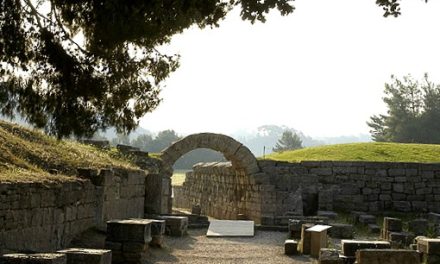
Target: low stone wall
[
  {"x": 303, "y": 188},
  {"x": 364, "y": 186},
  {"x": 220, "y": 190},
  {"x": 46, "y": 216}
]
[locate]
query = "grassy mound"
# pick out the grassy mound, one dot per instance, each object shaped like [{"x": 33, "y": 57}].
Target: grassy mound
[
  {"x": 27, "y": 155},
  {"x": 385, "y": 152}
]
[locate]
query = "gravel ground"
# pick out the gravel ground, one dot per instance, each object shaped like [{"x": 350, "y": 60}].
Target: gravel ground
[{"x": 265, "y": 247}]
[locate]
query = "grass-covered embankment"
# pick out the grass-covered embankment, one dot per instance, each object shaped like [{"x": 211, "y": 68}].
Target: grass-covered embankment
[
  {"x": 381, "y": 152},
  {"x": 27, "y": 155}
]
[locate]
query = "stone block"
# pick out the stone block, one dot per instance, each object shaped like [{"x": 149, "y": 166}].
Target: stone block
[
  {"x": 400, "y": 239},
  {"x": 387, "y": 256},
  {"x": 392, "y": 224},
  {"x": 373, "y": 228},
  {"x": 41, "y": 258},
  {"x": 402, "y": 206},
  {"x": 306, "y": 239},
  {"x": 418, "y": 226},
  {"x": 291, "y": 247},
  {"x": 157, "y": 227},
  {"x": 367, "y": 219},
  {"x": 428, "y": 245},
  {"x": 175, "y": 225},
  {"x": 329, "y": 256},
  {"x": 434, "y": 217},
  {"x": 134, "y": 247},
  {"x": 349, "y": 247},
  {"x": 131, "y": 230},
  {"x": 341, "y": 231},
  {"x": 355, "y": 216},
  {"x": 87, "y": 256},
  {"x": 328, "y": 214}
]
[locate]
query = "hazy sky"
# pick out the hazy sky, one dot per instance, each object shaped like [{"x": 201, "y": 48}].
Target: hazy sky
[{"x": 320, "y": 70}]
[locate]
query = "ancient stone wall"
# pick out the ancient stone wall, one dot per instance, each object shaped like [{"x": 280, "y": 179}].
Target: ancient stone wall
[
  {"x": 220, "y": 190},
  {"x": 365, "y": 186},
  {"x": 46, "y": 216},
  {"x": 303, "y": 188}
]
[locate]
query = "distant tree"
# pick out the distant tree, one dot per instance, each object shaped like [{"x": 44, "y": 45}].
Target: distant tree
[
  {"x": 163, "y": 140},
  {"x": 413, "y": 113},
  {"x": 288, "y": 141},
  {"x": 143, "y": 142}
]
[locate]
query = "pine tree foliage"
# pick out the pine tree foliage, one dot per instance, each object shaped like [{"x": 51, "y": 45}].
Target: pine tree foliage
[
  {"x": 73, "y": 67},
  {"x": 288, "y": 141},
  {"x": 413, "y": 114}
]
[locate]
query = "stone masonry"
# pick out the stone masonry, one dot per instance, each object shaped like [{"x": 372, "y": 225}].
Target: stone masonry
[
  {"x": 46, "y": 216},
  {"x": 283, "y": 188}
]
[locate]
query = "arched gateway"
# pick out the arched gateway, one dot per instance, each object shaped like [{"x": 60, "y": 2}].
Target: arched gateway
[
  {"x": 239, "y": 155},
  {"x": 158, "y": 197}
]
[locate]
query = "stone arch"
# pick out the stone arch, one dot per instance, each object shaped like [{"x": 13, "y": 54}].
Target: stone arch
[{"x": 239, "y": 155}]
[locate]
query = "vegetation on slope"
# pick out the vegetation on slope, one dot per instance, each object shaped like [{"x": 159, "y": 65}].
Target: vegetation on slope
[
  {"x": 384, "y": 152},
  {"x": 28, "y": 155}
]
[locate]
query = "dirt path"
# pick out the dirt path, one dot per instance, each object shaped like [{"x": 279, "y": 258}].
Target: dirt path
[{"x": 265, "y": 247}]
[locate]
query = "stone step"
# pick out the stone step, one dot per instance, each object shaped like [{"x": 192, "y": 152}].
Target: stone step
[{"x": 349, "y": 247}]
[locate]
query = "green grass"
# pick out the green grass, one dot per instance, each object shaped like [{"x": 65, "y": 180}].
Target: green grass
[
  {"x": 27, "y": 155},
  {"x": 383, "y": 152},
  {"x": 178, "y": 177}
]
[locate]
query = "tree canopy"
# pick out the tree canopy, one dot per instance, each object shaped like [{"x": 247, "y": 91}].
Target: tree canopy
[
  {"x": 73, "y": 67},
  {"x": 413, "y": 112},
  {"x": 288, "y": 141}
]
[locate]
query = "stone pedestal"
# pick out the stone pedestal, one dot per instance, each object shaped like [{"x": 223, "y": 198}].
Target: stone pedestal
[
  {"x": 318, "y": 239},
  {"x": 41, "y": 258},
  {"x": 291, "y": 247},
  {"x": 128, "y": 240},
  {"x": 175, "y": 225},
  {"x": 87, "y": 256}
]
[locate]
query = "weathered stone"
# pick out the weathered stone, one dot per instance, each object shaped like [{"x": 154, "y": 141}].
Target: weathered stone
[
  {"x": 392, "y": 224},
  {"x": 87, "y": 256},
  {"x": 428, "y": 245},
  {"x": 341, "y": 230},
  {"x": 41, "y": 258},
  {"x": 291, "y": 247},
  {"x": 434, "y": 217},
  {"x": 349, "y": 247},
  {"x": 367, "y": 219},
  {"x": 306, "y": 239},
  {"x": 175, "y": 225},
  {"x": 400, "y": 239},
  {"x": 132, "y": 230},
  {"x": 418, "y": 226},
  {"x": 355, "y": 216},
  {"x": 387, "y": 256},
  {"x": 373, "y": 228},
  {"x": 329, "y": 214},
  {"x": 329, "y": 256}
]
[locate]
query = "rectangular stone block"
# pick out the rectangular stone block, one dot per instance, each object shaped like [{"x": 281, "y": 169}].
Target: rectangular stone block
[
  {"x": 429, "y": 245},
  {"x": 175, "y": 225},
  {"x": 291, "y": 247},
  {"x": 400, "y": 238},
  {"x": 131, "y": 230},
  {"x": 157, "y": 227},
  {"x": 134, "y": 247},
  {"x": 367, "y": 219},
  {"x": 341, "y": 231},
  {"x": 41, "y": 258},
  {"x": 349, "y": 247},
  {"x": 87, "y": 256},
  {"x": 392, "y": 224},
  {"x": 387, "y": 256},
  {"x": 306, "y": 239}
]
